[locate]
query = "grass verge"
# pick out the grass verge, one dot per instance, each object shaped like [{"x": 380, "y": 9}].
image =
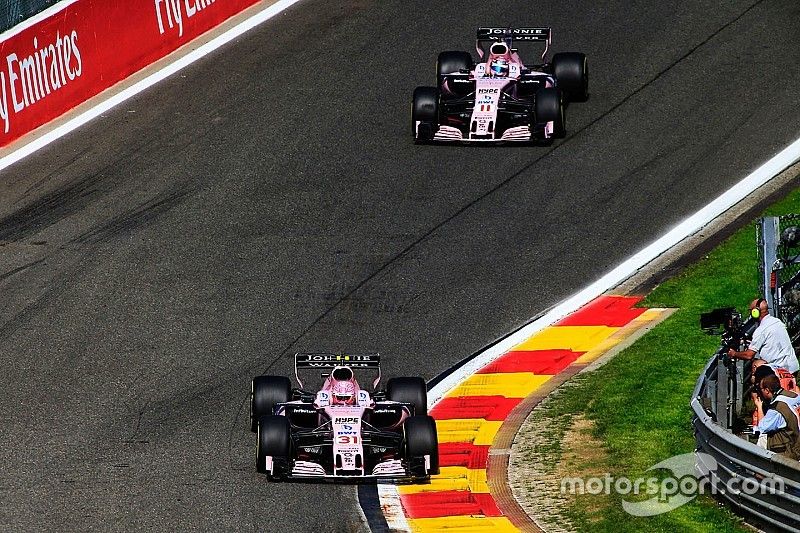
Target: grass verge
[{"x": 637, "y": 405}]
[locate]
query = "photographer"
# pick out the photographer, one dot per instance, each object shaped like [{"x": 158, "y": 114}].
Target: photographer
[
  {"x": 770, "y": 341},
  {"x": 781, "y": 423}
]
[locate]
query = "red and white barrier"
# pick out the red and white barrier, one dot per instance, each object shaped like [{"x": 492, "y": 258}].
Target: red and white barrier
[{"x": 79, "y": 48}]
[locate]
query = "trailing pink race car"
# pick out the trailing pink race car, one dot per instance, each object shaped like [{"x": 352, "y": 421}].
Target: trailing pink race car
[
  {"x": 499, "y": 98},
  {"x": 342, "y": 430}
]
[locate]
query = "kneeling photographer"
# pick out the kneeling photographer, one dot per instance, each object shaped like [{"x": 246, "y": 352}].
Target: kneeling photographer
[
  {"x": 781, "y": 423},
  {"x": 770, "y": 341}
]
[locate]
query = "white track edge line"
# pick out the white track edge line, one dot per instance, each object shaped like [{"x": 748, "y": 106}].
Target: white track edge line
[
  {"x": 392, "y": 509},
  {"x": 35, "y": 19},
  {"x": 388, "y": 495},
  {"x": 145, "y": 83}
]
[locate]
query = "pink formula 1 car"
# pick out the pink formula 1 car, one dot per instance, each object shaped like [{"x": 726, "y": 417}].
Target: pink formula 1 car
[
  {"x": 499, "y": 98},
  {"x": 342, "y": 430}
]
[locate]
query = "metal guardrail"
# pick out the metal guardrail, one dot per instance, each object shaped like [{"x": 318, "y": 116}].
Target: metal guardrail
[
  {"x": 738, "y": 460},
  {"x": 12, "y": 12}
]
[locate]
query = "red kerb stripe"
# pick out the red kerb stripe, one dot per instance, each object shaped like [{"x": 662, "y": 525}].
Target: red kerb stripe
[
  {"x": 448, "y": 503},
  {"x": 486, "y": 407},
  {"x": 463, "y": 454},
  {"x": 614, "y": 311},
  {"x": 543, "y": 362}
]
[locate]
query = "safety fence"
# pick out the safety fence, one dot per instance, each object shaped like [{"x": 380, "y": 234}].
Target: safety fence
[
  {"x": 779, "y": 265},
  {"x": 728, "y": 456},
  {"x": 12, "y": 12}
]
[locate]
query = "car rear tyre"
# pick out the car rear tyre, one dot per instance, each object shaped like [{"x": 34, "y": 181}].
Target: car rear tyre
[
  {"x": 572, "y": 75},
  {"x": 453, "y": 62},
  {"x": 421, "y": 440},
  {"x": 548, "y": 108},
  {"x": 425, "y": 110},
  {"x": 275, "y": 440},
  {"x": 265, "y": 393},
  {"x": 409, "y": 390}
]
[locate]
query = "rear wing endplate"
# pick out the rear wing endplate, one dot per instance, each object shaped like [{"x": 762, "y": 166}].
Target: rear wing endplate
[
  {"x": 539, "y": 35},
  {"x": 324, "y": 361}
]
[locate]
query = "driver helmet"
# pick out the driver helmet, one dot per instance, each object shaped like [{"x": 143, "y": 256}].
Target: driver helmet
[
  {"x": 344, "y": 393},
  {"x": 499, "y": 67}
]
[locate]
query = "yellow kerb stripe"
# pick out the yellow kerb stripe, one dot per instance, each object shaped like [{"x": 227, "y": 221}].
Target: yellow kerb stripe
[
  {"x": 451, "y": 478},
  {"x": 624, "y": 333},
  {"x": 473, "y": 430},
  {"x": 575, "y": 338},
  {"x": 599, "y": 350},
  {"x": 510, "y": 385},
  {"x": 462, "y": 524}
]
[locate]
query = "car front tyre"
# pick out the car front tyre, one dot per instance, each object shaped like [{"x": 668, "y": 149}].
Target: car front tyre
[
  {"x": 425, "y": 110},
  {"x": 549, "y": 108},
  {"x": 275, "y": 440},
  {"x": 421, "y": 440}
]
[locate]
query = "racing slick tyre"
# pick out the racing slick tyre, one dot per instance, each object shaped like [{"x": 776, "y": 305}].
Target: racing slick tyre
[
  {"x": 548, "y": 107},
  {"x": 265, "y": 392},
  {"x": 425, "y": 109},
  {"x": 450, "y": 62},
  {"x": 572, "y": 75},
  {"x": 421, "y": 440},
  {"x": 409, "y": 390},
  {"x": 275, "y": 440}
]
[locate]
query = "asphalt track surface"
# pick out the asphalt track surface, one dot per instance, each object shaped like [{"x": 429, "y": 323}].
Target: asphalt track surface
[{"x": 268, "y": 200}]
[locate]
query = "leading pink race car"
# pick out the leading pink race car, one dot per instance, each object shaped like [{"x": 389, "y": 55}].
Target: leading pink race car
[
  {"x": 499, "y": 98},
  {"x": 343, "y": 430}
]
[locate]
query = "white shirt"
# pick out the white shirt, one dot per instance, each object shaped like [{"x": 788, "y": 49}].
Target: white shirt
[{"x": 771, "y": 343}]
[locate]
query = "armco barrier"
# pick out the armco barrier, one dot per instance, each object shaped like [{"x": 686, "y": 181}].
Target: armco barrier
[
  {"x": 739, "y": 463},
  {"x": 83, "y": 47}
]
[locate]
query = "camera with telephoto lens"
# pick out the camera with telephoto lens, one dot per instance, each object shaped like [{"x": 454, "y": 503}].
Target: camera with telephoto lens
[{"x": 734, "y": 333}]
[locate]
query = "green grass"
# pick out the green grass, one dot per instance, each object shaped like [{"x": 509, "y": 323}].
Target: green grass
[{"x": 639, "y": 401}]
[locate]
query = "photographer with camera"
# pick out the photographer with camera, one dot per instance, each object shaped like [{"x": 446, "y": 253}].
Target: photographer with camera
[
  {"x": 781, "y": 423},
  {"x": 770, "y": 341}
]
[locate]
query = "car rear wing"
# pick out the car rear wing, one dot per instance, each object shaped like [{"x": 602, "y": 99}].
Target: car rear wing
[
  {"x": 325, "y": 361},
  {"x": 510, "y": 35}
]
